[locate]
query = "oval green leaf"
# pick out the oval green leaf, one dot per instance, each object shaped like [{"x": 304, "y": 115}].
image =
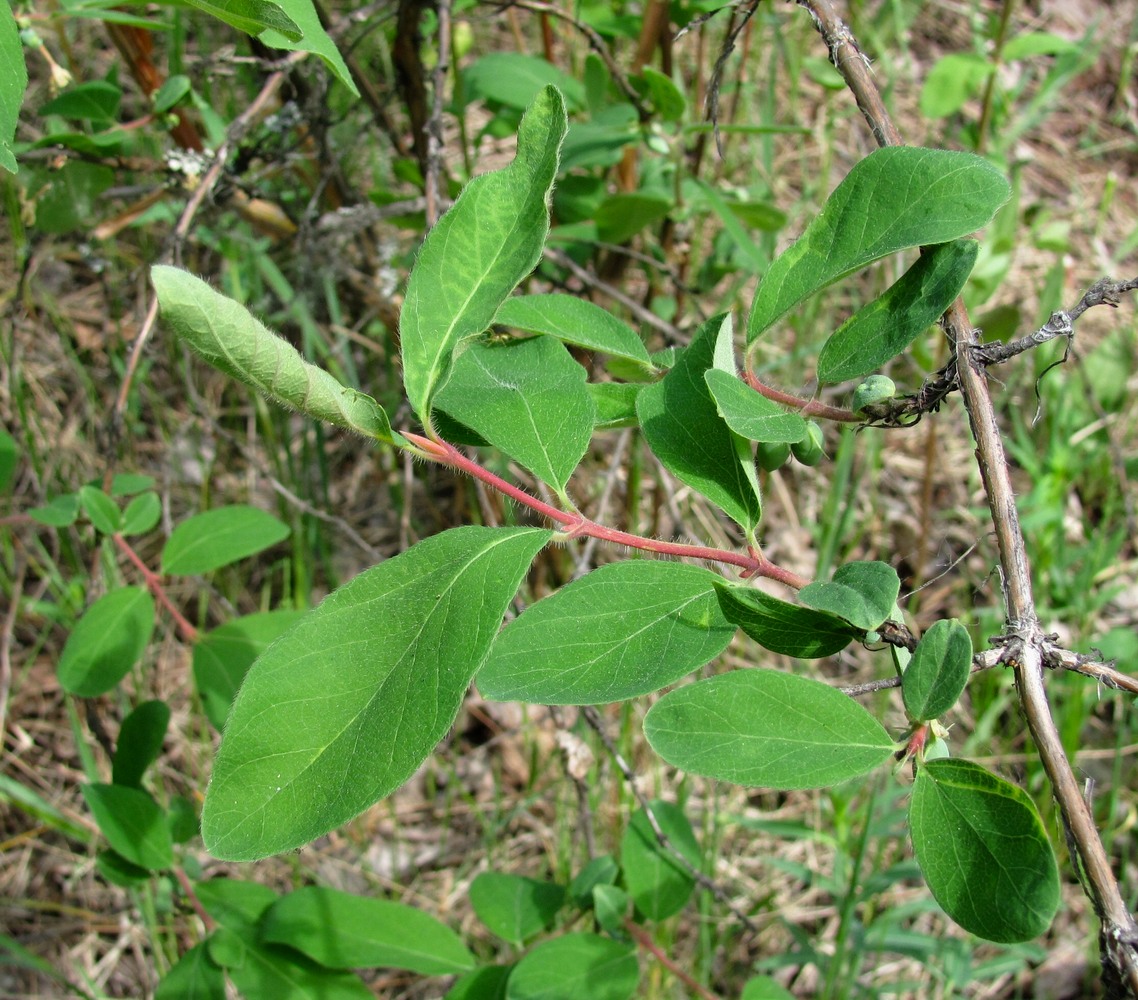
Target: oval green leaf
[
  {"x": 938, "y": 671},
  {"x": 344, "y": 931},
  {"x": 863, "y": 593},
  {"x": 782, "y": 627},
  {"x": 750, "y": 414},
  {"x": 513, "y": 907},
  {"x": 13, "y": 82},
  {"x": 106, "y": 642},
  {"x": 575, "y": 321},
  {"x": 313, "y": 38},
  {"x": 223, "y": 657},
  {"x": 658, "y": 883},
  {"x": 140, "y": 742},
  {"x": 343, "y": 709},
  {"x": 216, "y": 538},
  {"x": 133, "y": 823},
  {"x": 575, "y": 966},
  {"x": 528, "y": 399},
  {"x": 141, "y": 514},
  {"x": 228, "y": 336},
  {"x": 194, "y": 977},
  {"x": 767, "y": 729},
  {"x": 886, "y": 326},
  {"x": 624, "y": 630},
  {"x": 897, "y": 197},
  {"x": 478, "y": 251},
  {"x": 682, "y": 425},
  {"x": 983, "y": 851},
  {"x": 100, "y": 509}
]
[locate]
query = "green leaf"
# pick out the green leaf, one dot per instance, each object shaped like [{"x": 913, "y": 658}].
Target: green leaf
[
  {"x": 477, "y": 253},
  {"x": 602, "y": 870},
  {"x": 223, "y": 657},
  {"x": 313, "y": 39},
  {"x": 140, "y": 742},
  {"x": 106, "y": 642},
  {"x": 528, "y": 399},
  {"x": 217, "y": 538},
  {"x": 194, "y": 977},
  {"x": 683, "y": 428},
  {"x": 952, "y": 81},
  {"x": 116, "y": 870},
  {"x": 750, "y": 414},
  {"x": 659, "y": 885},
  {"x": 235, "y": 903},
  {"x": 515, "y": 908},
  {"x": 667, "y": 98},
  {"x": 626, "y": 629},
  {"x": 226, "y": 334},
  {"x": 59, "y": 512},
  {"x": 897, "y": 197},
  {"x": 610, "y": 904},
  {"x": 756, "y": 260},
  {"x": 863, "y": 593},
  {"x": 516, "y": 80},
  {"x": 343, "y": 709},
  {"x": 171, "y": 93},
  {"x": 886, "y": 326},
  {"x": 100, "y": 509},
  {"x": 938, "y": 671},
  {"x": 1037, "y": 43},
  {"x": 764, "y": 988},
  {"x": 251, "y": 16},
  {"x": 133, "y": 824},
  {"x": 764, "y": 728},
  {"x": 344, "y": 931},
  {"x": 615, "y": 403},
  {"x": 13, "y": 81},
  {"x": 487, "y": 983},
  {"x": 983, "y": 851},
  {"x": 782, "y": 627},
  {"x": 270, "y": 971},
  {"x": 8, "y": 455},
  {"x": 598, "y": 142},
  {"x": 621, "y": 216},
  {"x": 573, "y": 967},
  {"x": 96, "y": 101},
  {"x": 574, "y": 320},
  {"x": 141, "y": 514}
]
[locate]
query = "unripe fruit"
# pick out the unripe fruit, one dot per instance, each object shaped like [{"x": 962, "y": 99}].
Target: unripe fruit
[
  {"x": 875, "y": 389},
  {"x": 772, "y": 456},
  {"x": 809, "y": 451}
]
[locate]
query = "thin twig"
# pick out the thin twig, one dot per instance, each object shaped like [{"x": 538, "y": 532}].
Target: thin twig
[
  {"x": 645, "y": 316},
  {"x": 644, "y": 939},
  {"x": 435, "y": 122},
  {"x": 1024, "y": 642},
  {"x": 596, "y": 43},
  {"x": 592, "y": 717}
]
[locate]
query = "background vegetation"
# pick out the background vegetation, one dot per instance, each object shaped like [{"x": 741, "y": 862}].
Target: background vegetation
[{"x": 314, "y": 222}]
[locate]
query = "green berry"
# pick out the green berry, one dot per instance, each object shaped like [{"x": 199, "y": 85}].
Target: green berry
[
  {"x": 875, "y": 389},
  {"x": 810, "y": 450},
  {"x": 772, "y": 456}
]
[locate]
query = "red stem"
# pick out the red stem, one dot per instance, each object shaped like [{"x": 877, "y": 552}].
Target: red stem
[
  {"x": 154, "y": 584},
  {"x": 808, "y": 407},
  {"x": 753, "y": 563}
]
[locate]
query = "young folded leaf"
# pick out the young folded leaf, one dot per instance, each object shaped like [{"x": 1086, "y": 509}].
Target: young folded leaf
[{"x": 228, "y": 336}]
